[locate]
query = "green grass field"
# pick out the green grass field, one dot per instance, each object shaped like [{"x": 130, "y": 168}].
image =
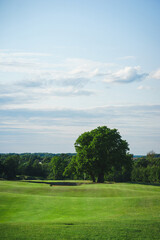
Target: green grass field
[{"x": 88, "y": 211}]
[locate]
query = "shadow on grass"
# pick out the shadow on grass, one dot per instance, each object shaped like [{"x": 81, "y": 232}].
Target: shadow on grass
[
  {"x": 58, "y": 183},
  {"x": 67, "y": 183}
]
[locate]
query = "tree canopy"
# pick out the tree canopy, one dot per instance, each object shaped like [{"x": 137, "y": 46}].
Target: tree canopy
[{"x": 99, "y": 150}]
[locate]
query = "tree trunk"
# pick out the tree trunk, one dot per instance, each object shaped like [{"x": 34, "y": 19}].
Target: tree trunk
[
  {"x": 93, "y": 179},
  {"x": 100, "y": 178}
]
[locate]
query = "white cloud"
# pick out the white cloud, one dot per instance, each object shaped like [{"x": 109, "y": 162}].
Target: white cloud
[
  {"x": 142, "y": 87},
  {"x": 68, "y": 78},
  {"x": 138, "y": 124},
  {"x": 130, "y": 117},
  {"x": 126, "y": 75},
  {"x": 69, "y": 71},
  {"x": 8, "y": 54},
  {"x": 32, "y": 63},
  {"x": 63, "y": 91},
  {"x": 42, "y": 80},
  {"x": 156, "y": 74},
  {"x": 127, "y": 57}
]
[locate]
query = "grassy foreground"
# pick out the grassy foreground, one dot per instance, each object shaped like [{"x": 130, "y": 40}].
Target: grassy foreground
[{"x": 89, "y": 211}]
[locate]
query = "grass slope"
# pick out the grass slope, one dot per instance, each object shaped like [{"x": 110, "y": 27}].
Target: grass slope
[{"x": 89, "y": 211}]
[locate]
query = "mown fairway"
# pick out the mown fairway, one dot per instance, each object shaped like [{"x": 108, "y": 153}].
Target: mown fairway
[{"x": 89, "y": 211}]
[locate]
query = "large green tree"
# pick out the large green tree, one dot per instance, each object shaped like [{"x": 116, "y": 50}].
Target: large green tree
[{"x": 99, "y": 150}]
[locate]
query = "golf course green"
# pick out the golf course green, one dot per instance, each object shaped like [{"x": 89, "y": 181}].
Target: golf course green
[{"x": 87, "y": 211}]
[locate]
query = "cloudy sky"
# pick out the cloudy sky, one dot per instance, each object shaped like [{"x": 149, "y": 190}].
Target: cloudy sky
[{"x": 69, "y": 66}]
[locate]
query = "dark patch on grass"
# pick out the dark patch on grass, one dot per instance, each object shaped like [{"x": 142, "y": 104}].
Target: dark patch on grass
[
  {"x": 68, "y": 223},
  {"x": 65, "y": 184},
  {"x": 58, "y": 183}
]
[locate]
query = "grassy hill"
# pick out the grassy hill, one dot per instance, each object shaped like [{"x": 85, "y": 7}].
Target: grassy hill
[{"x": 88, "y": 211}]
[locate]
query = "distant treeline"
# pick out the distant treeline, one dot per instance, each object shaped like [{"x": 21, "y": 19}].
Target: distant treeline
[
  {"x": 33, "y": 165},
  {"x": 27, "y": 166},
  {"x": 146, "y": 169}
]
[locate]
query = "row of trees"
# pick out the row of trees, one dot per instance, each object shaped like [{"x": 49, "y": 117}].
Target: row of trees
[
  {"x": 101, "y": 155},
  {"x": 146, "y": 169},
  {"x": 30, "y": 166},
  {"x": 64, "y": 166}
]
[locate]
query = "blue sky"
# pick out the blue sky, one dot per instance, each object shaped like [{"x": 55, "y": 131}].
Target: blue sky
[{"x": 70, "y": 66}]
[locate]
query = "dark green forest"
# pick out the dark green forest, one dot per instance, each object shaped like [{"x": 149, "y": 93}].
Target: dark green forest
[{"x": 28, "y": 166}]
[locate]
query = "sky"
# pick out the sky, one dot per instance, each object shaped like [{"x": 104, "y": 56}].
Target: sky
[{"x": 69, "y": 66}]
